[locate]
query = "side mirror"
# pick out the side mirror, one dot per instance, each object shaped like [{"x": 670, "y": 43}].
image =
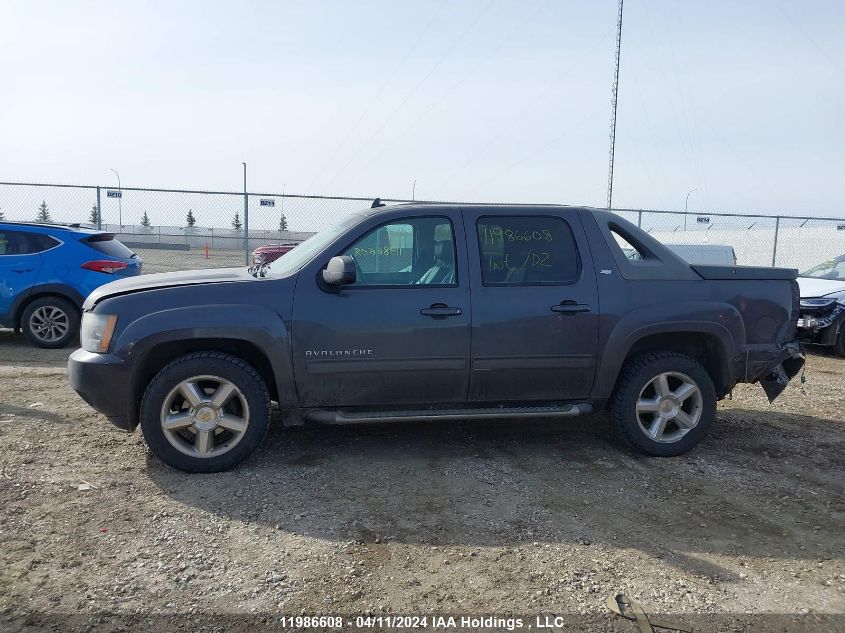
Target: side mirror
[{"x": 340, "y": 271}]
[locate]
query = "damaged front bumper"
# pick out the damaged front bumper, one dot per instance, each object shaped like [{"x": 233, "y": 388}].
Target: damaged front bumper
[
  {"x": 774, "y": 373},
  {"x": 821, "y": 325}
]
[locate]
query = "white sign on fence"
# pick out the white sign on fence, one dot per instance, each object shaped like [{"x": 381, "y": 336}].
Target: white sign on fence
[
  {"x": 114, "y": 194},
  {"x": 703, "y": 219},
  {"x": 268, "y": 202}
]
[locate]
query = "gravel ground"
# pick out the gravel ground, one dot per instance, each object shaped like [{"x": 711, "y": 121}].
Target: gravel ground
[
  {"x": 165, "y": 261},
  {"x": 510, "y": 517}
]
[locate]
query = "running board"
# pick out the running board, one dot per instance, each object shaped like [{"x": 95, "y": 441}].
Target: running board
[{"x": 334, "y": 416}]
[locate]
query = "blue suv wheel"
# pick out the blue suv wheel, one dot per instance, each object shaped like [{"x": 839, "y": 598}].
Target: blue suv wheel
[{"x": 51, "y": 322}]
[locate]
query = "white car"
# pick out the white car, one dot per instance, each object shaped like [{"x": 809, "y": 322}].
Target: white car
[
  {"x": 697, "y": 254},
  {"x": 705, "y": 254},
  {"x": 822, "y": 320}
]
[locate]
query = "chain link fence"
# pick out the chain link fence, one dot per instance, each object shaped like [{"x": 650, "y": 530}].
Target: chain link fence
[
  {"x": 757, "y": 240},
  {"x": 175, "y": 229}
]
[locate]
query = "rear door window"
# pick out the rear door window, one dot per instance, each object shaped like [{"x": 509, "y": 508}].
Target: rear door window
[
  {"x": 527, "y": 250},
  {"x": 107, "y": 245},
  {"x": 25, "y": 243}
]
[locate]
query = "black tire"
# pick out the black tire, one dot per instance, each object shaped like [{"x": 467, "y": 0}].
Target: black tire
[
  {"x": 636, "y": 375},
  {"x": 33, "y": 316},
  {"x": 231, "y": 368}
]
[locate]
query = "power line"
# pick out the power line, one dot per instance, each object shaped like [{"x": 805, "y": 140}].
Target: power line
[
  {"x": 451, "y": 90},
  {"x": 693, "y": 156},
  {"x": 809, "y": 38},
  {"x": 368, "y": 108},
  {"x": 407, "y": 98},
  {"x": 548, "y": 144},
  {"x": 529, "y": 104}
]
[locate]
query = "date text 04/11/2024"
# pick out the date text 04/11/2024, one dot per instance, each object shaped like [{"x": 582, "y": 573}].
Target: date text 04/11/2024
[{"x": 475, "y": 623}]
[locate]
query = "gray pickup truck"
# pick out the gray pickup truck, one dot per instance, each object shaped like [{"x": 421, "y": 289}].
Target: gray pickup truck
[{"x": 430, "y": 311}]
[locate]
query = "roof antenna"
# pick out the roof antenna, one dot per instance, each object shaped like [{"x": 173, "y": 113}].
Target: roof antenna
[{"x": 377, "y": 203}]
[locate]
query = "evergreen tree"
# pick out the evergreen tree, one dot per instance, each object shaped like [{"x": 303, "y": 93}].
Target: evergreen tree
[
  {"x": 190, "y": 220},
  {"x": 236, "y": 223},
  {"x": 94, "y": 218},
  {"x": 283, "y": 223},
  {"x": 43, "y": 216},
  {"x": 145, "y": 221}
]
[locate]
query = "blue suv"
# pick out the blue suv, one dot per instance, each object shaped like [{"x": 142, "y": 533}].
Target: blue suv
[{"x": 47, "y": 270}]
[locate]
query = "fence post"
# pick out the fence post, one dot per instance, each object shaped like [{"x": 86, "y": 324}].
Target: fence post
[
  {"x": 246, "y": 222},
  {"x": 639, "y": 219},
  {"x": 99, "y": 212},
  {"x": 775, "y": 245}
]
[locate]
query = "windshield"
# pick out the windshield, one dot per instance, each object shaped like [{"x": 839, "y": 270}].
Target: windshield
[
  {"x": 295, "y": 259},
  {"x": 831, "y": 269}
]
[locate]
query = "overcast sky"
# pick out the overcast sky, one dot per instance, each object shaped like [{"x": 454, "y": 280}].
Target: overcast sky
[{"x": 477, "y": 100}]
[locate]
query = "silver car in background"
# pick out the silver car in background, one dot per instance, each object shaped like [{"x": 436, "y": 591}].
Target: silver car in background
[{"x": 822, "y": 320}]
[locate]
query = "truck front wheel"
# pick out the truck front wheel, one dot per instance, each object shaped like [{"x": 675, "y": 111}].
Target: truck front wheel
[
  {"x": 205, "y": 412},
  {"x": 664, "y": 403}
]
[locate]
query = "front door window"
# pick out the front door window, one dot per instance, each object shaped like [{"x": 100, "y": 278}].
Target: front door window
[{"x": 411, "y": 252}]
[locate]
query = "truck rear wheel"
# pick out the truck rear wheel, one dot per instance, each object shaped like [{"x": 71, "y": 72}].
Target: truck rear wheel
[
  {"x": 664, "y": 403},
  {"x": 205, "y": 412}
]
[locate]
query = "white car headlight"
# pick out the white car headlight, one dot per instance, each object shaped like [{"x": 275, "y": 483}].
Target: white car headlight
[
  {"x": 817, "y": 302},
  {"x": 96, "y": 332}
]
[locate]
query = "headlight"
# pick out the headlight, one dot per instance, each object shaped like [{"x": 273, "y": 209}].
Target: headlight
[
  {"x": 96, "y": 331},
  {"x": 821, "y": 302}
]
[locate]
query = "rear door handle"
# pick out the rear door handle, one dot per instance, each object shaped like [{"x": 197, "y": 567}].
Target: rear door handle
[
  {"x": 439, "y": 310},
  {"x": 571, "y": 308},
  {"x": 22, "y": 270}
]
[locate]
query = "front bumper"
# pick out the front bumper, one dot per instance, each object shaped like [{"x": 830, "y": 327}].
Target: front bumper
[
  {"x": 104, "y": 382},
  {"x": 821, "y": 326}
]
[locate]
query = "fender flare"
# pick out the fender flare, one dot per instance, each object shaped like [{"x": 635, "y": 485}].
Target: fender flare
[
  {"x": 59, "y": 290},
  {"x": 720, "y": 320},
  {"x": 257, "y": 325}
]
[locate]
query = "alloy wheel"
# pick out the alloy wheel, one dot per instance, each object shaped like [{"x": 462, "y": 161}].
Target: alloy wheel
[
  {"x": 205, "y": 416},
  {"x": 49, "y": 323},
  {"x": 669, "y": 406}
]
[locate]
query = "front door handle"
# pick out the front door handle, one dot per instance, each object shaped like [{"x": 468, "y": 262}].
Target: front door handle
[
  {"x": 570, "y": 308},
  {"x": 441, "y": 310},
  {"x": 22, "y": 270}
]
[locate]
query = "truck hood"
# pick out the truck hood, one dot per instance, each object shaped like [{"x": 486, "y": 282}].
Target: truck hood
[
  {"x": 812, "y": 287},
  {"x": 166, "y": 280}
]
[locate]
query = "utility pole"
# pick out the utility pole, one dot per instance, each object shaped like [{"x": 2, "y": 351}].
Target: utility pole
[
  {"x": 613, "y": 106},
  {"x": 686, "y": 205},
  {"x": 246, "y": 221},
  {"x": 119, "y": 201}
]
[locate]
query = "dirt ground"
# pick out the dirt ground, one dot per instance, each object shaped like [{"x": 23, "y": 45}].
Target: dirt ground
[{"x": 743, "y": 533}]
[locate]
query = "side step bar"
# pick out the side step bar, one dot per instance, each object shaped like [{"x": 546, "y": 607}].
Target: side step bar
[{"x": 339, "y": 416}]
